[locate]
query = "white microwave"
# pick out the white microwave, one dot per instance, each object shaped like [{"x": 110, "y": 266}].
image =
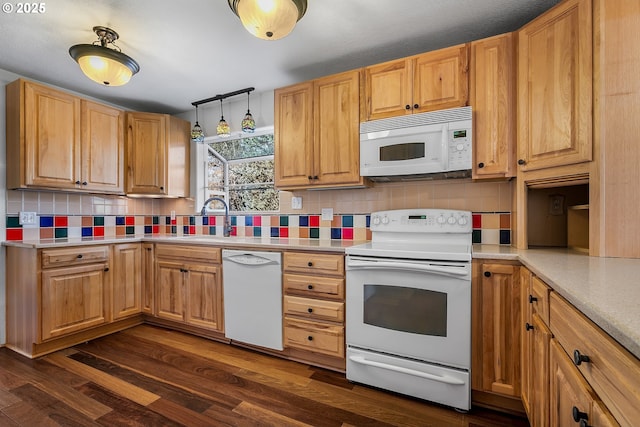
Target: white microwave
[{"x": 417, "y": 144}]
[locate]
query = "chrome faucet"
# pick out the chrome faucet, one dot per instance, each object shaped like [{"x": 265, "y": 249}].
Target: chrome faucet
[{"x": 226, "y": 231}]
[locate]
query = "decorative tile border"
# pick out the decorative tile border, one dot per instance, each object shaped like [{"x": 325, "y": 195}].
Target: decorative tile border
[{"x": 488, "y": 228}]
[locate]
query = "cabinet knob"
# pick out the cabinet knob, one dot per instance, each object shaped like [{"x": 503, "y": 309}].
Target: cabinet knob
[
  {"x": 315, "y": 177},
  {"x": 416, "y": 106},
  {"x": 310, "y": 310},
  {"x": 528, "y": 326},
  {"x": 77, "y": 182},
  {"x": 310, "y": 338},
  {"x": 310, "y": 264},
  {"x": 579, "y": 416},
  {"x": 79, "y": 256},
  {"x": 532, "y": 299},
  {"x": 579, "y": 358},
  {"x": 309, "y": 177},
  {"x": 521, "y": 162},
  {"x": 487, "y": 274},
  {"x": 480, "y": 165},
  {"x": 162, "y": 188},
  {"x": 309, "y": 286},
  {"x": 84, "y": 183},
  {"x": 106, "y": 269},
  {"x": 407, "y": 107}
]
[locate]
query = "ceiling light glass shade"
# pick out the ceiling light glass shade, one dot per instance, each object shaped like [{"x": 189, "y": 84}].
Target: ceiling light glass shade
[
  {"x": 223, "y": 128},
  {"x": 103, "y": 65},
  {"x": 269, "y": 19},
  {"x": 197, "y": 135},
  {"x": 248, "y": 124}
]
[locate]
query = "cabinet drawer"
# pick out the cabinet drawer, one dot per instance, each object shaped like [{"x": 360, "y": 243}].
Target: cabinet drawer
[
  {"x": 612, "y": 371},
  {"x": 540, "y": 299},
  {"x": 189, "y": 253},
  {"x": 314, "y": 336},
  {"x": 74, "y": 256},
  {"x": 314, "y": 308},
  {"x": 314, "y": 263},
  {"x": 312, "y": 286}
]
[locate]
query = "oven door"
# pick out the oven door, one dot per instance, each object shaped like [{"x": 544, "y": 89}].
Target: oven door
[{"x": 410, "y": 308}]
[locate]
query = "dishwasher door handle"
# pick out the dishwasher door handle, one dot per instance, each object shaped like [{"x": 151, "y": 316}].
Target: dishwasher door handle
[{"x": 250, "y": 260}]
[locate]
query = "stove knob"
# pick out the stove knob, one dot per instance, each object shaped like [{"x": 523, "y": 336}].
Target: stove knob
[
  {"x": 462, "y": 221},
  {"x": 441, "y": 219},
  {"x": 376, "y": 220},
  {"x": 385, "y": 219},
  {"x": 451, "y": 220}
]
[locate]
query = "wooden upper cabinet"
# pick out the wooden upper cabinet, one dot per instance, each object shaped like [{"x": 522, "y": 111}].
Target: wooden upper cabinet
[
  {"x": 493, "y": 100},
  {"x": 430, "y": 81},
  {"x": 157, "y": 155},
  {"x": 317, "y": 138},
  {"x": 555, "y": 87},
  {"x": 56, "y": 140}
]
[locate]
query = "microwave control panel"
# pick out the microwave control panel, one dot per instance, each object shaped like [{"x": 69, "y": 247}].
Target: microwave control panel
[{"x": 460, "y": 155}]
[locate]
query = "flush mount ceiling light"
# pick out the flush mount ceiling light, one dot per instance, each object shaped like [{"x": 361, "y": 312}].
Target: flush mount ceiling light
[
  {"x": 102, "y": 64},
  {"x": 269, "y": 19}
]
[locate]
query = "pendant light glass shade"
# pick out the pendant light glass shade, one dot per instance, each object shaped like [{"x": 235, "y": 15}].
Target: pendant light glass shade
[
  {"x": 248, "y": 124},
  {"x": 197, "y": 135},
  {"x": 223, "y": 128},
  {"x": 104, "y": 65},
  {"x": 269, "y": 19}
]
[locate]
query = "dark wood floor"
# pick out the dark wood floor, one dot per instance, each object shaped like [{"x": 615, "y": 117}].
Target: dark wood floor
[{"x": 148, "y": 376}]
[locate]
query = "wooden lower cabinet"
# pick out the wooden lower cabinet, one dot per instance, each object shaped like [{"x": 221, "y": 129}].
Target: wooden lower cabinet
[
  {"x": 127, "y": 280},
  {"x": 314, "y": 307},
  {"x": 148, "y": 278},
  {"x": 189, "y": 286},
  {"x": 495, "y": 340}
]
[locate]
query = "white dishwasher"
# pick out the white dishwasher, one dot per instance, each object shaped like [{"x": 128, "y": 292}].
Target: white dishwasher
[{"x": 252, "y": 283}]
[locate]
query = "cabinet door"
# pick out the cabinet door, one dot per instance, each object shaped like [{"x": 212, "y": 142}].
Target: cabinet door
[
  {"x": 102, "y": 148},
  {"x": 293, "y": 133},
  {"x": 568, "y": 389},
  {"x": 148, "y": 279},
  {"x": 441, "y": 79},
  {"x": 500, "y": 339},
  {"x": 388, "y": 89},
  {"x": 526, "y": 340},
  {"x": 555, "y": 87},
  {"x": 73, "y": 299},
  {"x": 169, "y": 290},
  {"x": 127, "y": 280},
  {"x": 146, "y": 155},
  {"x": 52, "y": 137},
  {"x": 337, "y": 129},
  {"x": 204, "y": 296},
  {"x": 539, "y": 373},
  {"x": 493, "y": 98}
]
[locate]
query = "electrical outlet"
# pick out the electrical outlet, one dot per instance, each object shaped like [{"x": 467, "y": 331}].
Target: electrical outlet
[
  {"x": 556, "y": 204},
  {"x": 327, "y": 214},
  {"x": 296, "y": 203},
  {"x": 28, "y": 218}
]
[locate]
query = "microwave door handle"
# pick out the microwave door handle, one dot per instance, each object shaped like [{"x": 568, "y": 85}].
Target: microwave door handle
[
  {"x": 445, "y": 146},
  {"x": 390, "y": 265},
  {"x": 440, "y": 378}
]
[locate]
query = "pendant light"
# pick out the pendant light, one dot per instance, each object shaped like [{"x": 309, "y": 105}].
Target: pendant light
[
  {"x": 248, "y": 124},
  {"x": 102, "y": 64},
  {"x": 269, "y": 19},
  {"x": 197, "y": 135},
  {"x": 223, "y": 127}
]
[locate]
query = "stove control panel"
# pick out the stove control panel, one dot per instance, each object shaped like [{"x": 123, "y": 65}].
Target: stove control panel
[{"x": 422, "y": 221}]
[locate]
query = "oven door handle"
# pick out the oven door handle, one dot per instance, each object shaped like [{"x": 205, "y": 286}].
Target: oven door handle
[
  {"x": 440, "y": 378},
  {"x": 355, "y": 264}
]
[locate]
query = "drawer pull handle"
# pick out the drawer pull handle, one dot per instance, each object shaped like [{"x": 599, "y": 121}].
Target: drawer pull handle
[
  {"x": 487, "y": 274},
  {"x": 310, "y": 264},
  {"x": 579, "y": 416},
  {"x": 310, "y": 310},
  {"x": 579, "y": 358},
  {"x": 309, "y": 286},
  {"x": 79, "y": 256},
  {"x": 532, "y": 299},
  {"x": 310, "y": 338},
  {"x": 528, "y": 326}
]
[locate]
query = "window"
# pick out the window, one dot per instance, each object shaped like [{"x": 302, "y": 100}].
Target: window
[{"x": 241, "y": 171}]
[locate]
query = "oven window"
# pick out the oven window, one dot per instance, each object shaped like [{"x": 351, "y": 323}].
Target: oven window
[
  {"x": 406, "y": 151},
  {"x": 405, "y": 309}
]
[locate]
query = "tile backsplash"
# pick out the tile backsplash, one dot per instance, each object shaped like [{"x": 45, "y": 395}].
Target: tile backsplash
[{"x": 488, "y": 228}]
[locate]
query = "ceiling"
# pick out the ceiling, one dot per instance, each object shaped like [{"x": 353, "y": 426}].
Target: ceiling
[{"x": 197, "y": 49}]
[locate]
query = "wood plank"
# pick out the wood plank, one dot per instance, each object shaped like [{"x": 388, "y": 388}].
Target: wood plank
[
  {"x": 179, "y": 414},
  {"x": 123, "y": 388},
  {"x": 267, "y": 417},
  {"x": 24, "y": 414}
]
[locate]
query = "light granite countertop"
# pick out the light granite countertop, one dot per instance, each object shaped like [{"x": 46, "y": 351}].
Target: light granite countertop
[{"x": 606, "y": 290}]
